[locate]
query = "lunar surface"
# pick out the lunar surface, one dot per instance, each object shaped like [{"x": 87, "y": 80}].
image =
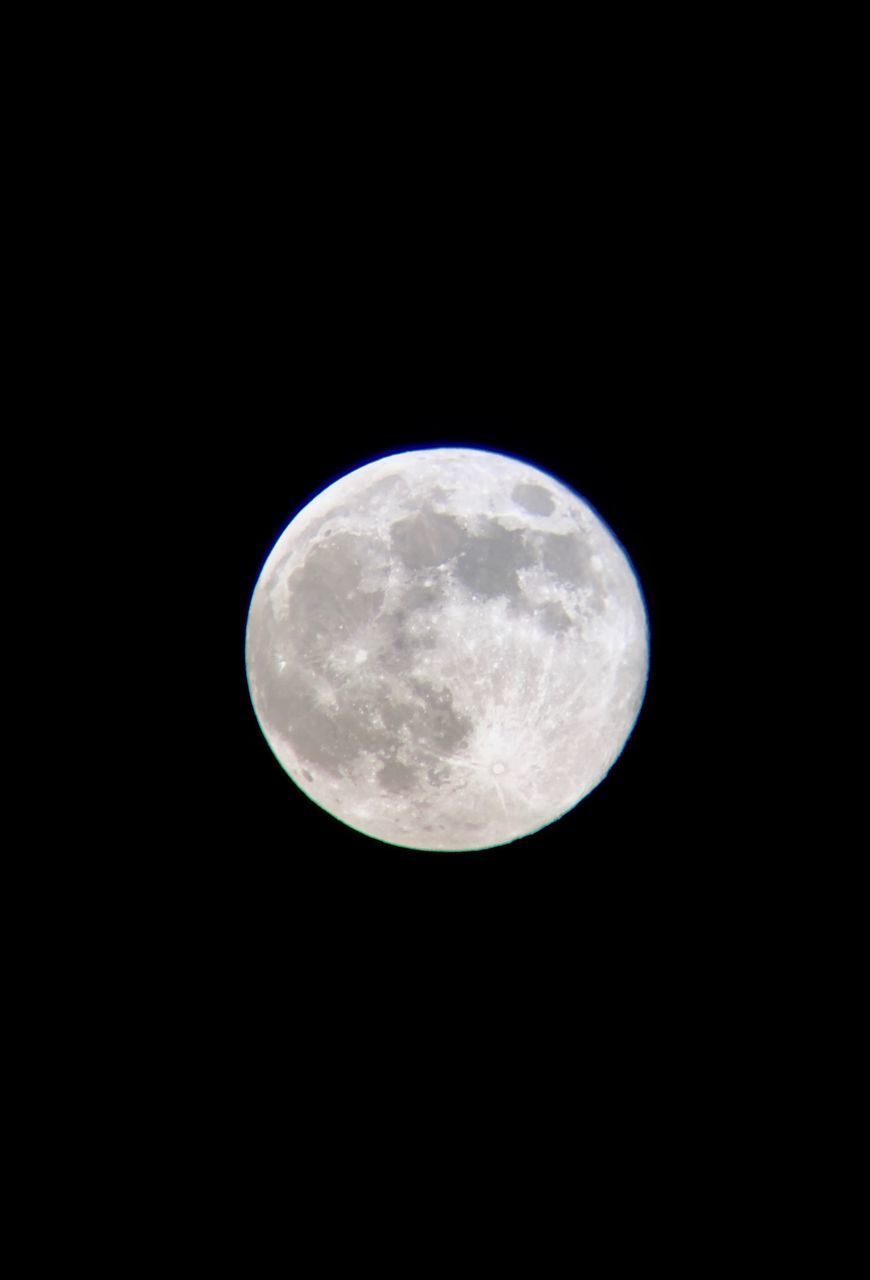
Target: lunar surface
[{"x": 447, "y": 649}]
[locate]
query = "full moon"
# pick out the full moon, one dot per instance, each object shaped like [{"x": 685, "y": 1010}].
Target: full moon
[{"x": 447, "y": 649}]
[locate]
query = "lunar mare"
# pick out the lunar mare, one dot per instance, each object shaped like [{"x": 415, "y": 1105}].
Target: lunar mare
[{"x": 447, "y": 649}]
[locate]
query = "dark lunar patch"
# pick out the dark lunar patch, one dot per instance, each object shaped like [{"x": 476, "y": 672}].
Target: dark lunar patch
[
  {"x": 396, "y": 776},
  {"x": 402, "y": 634},
  {"x": 398, "y": 640},
  {"x": 329, "y": 742},
  {"x": 325, "y": 601},
  {"x": 489, "y": 561},
  {"x": 332, "y": 739},
  {"x": 553, "y": 617},
  {"x": 435, "y": 722},
  {"x": 426, "y": 539},
  {"x": 566, "y": 556},
  {"x": 394, "y": 655},
  {"x": 336, "y": 565},
  {"x": 380, "y": 488},
  {"x": 534, "y": 499},
  {"x": 429, "y": 720},
  {"x": 419, "y": 597},
  {"x": 396, "y": 715},
  {"x": 328, "y": 738}
]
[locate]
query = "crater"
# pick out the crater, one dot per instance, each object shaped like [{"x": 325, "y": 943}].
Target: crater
[{"x": 534, "y": 499}]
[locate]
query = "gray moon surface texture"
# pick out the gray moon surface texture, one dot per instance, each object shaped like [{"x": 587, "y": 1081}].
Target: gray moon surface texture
[{"x": 447, "y": 649}]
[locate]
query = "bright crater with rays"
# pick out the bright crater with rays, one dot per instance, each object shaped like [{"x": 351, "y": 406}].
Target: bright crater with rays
[{"x": 447, "y": 649}]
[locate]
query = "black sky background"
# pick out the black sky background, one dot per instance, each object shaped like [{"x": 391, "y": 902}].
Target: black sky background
[
  {"x": 577, "y": 269},
  {"x": 588, "y": 319}
]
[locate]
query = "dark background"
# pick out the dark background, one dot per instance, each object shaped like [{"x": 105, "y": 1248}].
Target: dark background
[
  {"x": 588, "y": 271},
  {"x": 584, "y": 310},
  {"x": 601, "y": 913},
  {"x": 585, "y": 318},
  {"x": 591, "y": 331}
]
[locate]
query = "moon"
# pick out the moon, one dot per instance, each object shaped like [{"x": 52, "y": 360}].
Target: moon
[{"x": 447, "y": 649}]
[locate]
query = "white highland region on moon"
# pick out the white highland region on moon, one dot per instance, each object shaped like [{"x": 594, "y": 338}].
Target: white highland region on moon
[{"x": 447, "y": 649}]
